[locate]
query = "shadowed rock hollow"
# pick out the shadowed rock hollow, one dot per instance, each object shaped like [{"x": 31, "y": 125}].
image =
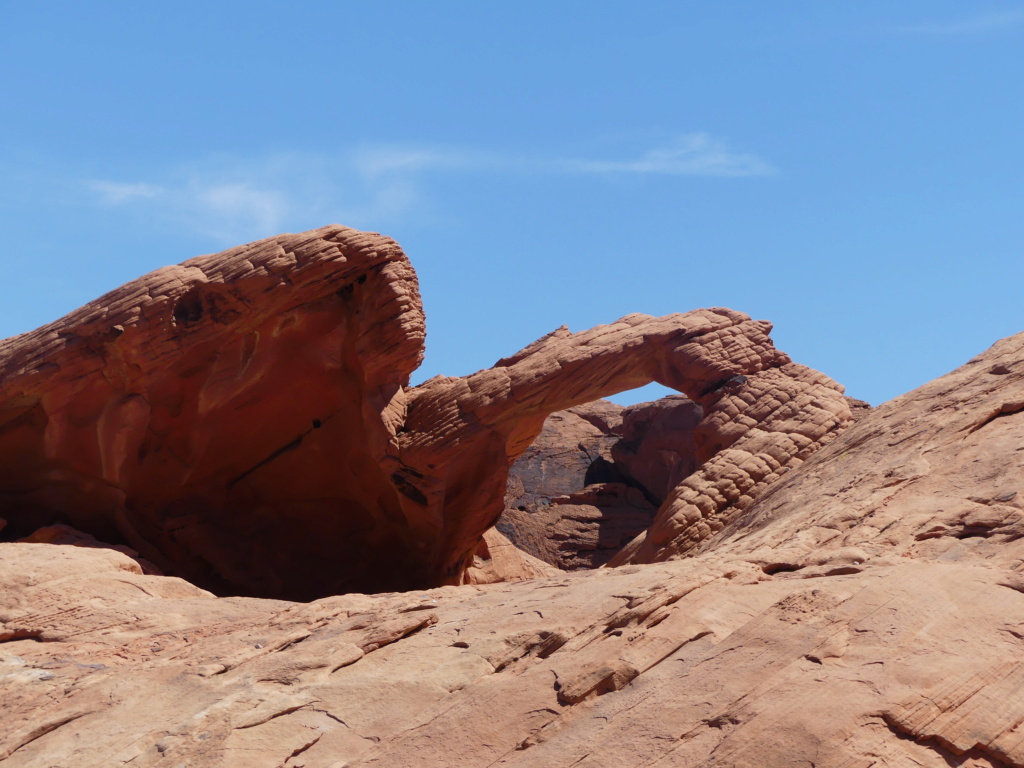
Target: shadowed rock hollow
[
  {"x": 595, "y": 476},
  {"x": 244, "y": 420}
]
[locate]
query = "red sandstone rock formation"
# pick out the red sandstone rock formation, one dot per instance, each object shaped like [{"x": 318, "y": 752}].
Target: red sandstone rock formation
[
  {"x": 243, "y": 420},
  {"x": 227, "y": 417},
  {"x": 752, "y": 435},
  {"x": 658, "y": 448},
  {"x": 865, "y": 612},
  {"x": 572, "y": 452},
  {"x": 763, "y": 414},
  {"x": 862, "y": 611}
]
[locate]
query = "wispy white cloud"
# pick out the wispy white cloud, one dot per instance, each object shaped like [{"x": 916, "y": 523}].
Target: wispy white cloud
[
  {"x": 694, "y": 154},
  {"x": 690, "y": 154},
  {"x": 115, "y": 193},
  {"x": 218, "y": 208},
  {"x": 378, "y": 161},
  {"x": 990, "y": 22},
  {"x": 222, "y": 209},
  {"x": 242, "y": 202},
  {"x": 235, "y": 199}
]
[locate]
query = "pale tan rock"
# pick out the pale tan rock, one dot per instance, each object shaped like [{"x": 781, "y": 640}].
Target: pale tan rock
[
  {"x": 498, "y": 559},
  {"x": 695, "y": 662},
  {"x": 66, "y": 535}
]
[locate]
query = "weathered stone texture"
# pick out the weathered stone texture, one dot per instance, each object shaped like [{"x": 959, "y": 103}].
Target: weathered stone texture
[
  {"x": 595, "y": 476},
  {"x": 865, "y": 610},
  {"x": 722, "y": 359},
  {"x": 243, "y": 420},
  {"x": 227, "y": 417}
]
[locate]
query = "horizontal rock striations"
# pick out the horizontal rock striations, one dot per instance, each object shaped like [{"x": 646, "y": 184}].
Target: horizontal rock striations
[
  {"x": 762, "y": 414},
  {"x": 243, "y": 420},
  {"x": 865, "y": 610},
  {"x": 755, "y": 430},
  {"x": 935, "y": 474}
]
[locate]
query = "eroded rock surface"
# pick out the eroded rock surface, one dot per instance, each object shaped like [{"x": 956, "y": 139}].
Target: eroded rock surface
[
  {"x": 243, "y": 420},
  {"x": 763, "y": 414},
  {"x": 658, "y": 448},
  {"x": 754, "y": 432},
  {"x": 865, "y": 612},
  {"x": 227, "y": 417},
  {"x": 936, "y": 474}
]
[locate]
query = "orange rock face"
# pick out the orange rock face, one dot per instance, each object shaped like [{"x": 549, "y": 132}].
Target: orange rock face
[
  {"x": 595, "y": 476},
  {"x": 658, "y": 446},
  {"x": 243, "y": 420},
  {"x": 759, "y": 406}
]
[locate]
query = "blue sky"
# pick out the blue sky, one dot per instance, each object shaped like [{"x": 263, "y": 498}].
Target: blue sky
[{"x": 853, "y": 172}]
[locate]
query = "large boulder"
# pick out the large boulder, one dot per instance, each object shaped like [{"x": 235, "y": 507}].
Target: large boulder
[{"x": 227, "y": 417}]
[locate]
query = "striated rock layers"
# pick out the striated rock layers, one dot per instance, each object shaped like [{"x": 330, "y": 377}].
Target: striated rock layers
[
  {"x": 866, "y": 611},
  {"x": 243, "y": 420}
]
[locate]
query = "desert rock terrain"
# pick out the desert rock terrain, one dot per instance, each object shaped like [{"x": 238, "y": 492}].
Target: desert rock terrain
[
  {"x": 244, "y": 419},
  {"x": 816, "y": 591}
]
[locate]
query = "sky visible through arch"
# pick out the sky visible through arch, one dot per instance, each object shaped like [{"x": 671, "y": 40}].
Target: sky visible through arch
[{"x": 853, "y": 172}]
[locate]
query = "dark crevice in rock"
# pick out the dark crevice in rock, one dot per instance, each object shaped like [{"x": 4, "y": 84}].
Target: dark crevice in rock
[{"x": 10, "y": 636}]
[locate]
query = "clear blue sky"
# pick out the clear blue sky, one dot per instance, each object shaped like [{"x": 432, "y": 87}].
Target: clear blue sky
[{"x": 853, "y": 172}]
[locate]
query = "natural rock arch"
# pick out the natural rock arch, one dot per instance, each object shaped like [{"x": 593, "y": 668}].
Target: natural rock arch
[
  {"x": 244, "y": 420},
  {"x": 762, "y": 415}
]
